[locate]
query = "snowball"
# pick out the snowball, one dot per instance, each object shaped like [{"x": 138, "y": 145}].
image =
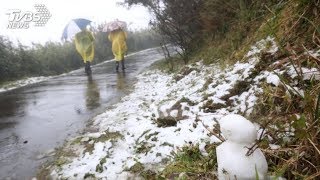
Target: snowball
[
  {"x": 238, "y": 129},
  {"x": 234, "y": 164}
]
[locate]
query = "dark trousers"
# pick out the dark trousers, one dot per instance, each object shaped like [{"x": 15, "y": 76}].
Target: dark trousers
[{"x": 122, "y": 65}]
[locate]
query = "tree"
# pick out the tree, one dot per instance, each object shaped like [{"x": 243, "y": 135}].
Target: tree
[{"x": 177, "y": 20}]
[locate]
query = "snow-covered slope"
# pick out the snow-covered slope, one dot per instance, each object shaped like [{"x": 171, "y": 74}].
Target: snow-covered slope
[{"x": 165, "y": 112}]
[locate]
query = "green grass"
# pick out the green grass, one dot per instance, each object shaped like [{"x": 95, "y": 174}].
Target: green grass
[
  {"x": 171, "y": 65},
  {"x": 190, "y": 162}
]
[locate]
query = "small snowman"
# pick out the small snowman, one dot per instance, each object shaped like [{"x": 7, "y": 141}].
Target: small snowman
[{"x": 233, "y": 163}]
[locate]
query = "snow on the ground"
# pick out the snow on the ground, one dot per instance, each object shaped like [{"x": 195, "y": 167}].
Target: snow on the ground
[
  {"x": 23, "y": 82},
  {"x": 163, "y": 113}
]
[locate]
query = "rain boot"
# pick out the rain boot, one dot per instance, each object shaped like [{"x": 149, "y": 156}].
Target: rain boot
[
  {"x": 87, "y": 68},
  {"x": 117, "y": 66},
  {"x": 122, "y": 65}
]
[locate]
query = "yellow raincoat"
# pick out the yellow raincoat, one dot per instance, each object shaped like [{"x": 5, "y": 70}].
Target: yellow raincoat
[
  {"x": 84, "y": 41},
  {"x": 119, "y": 46}
]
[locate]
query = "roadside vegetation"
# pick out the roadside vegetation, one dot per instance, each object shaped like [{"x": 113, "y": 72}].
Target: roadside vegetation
[
  {"x": 52, "y": 58},
  {"x": 221, "y": 33}
]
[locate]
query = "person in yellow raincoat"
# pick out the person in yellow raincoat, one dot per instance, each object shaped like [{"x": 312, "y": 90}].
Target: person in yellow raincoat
[
  {"x": 84, "y": 41},
  {"x": 119, "y": 47}
]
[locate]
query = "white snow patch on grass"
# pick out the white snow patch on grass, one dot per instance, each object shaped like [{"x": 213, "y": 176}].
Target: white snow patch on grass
[
  {"x": 273, "y": 79},
  {"x": 268, "y": 45}
]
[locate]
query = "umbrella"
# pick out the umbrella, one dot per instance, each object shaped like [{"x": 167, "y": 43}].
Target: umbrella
[
  {"x": 73, "y": 27},
  {"x": 114, "y": 25}
]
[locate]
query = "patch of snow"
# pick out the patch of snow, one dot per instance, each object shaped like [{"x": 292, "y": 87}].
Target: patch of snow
[
  {"x": 262, "y": 45},
  {"x": 174, "y": 113},
  {"x": 314, "y": 53},
  {"x": 274, "y": 146},
  {"x": 76, "y": 167},
  {"x": 273, "y": 79},
  {"x": 85, "y": 139},
  {"x": 23, "y": 82},
  {"x": 202, "y": 149},
  {"x": 306, "y": 73}
]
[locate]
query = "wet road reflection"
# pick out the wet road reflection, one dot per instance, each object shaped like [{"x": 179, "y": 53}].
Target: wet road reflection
[
  {"x": 121, "y": 81},
  {"x": 92, "y": 94}
]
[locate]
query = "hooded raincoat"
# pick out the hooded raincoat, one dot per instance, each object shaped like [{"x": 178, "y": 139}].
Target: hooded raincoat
[
  {"x": 119, "y": 46},
  {"x": 84, "y": 41}
]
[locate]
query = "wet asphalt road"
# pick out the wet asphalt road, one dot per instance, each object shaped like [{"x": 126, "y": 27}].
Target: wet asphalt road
[{"x": 38, "y": 118}]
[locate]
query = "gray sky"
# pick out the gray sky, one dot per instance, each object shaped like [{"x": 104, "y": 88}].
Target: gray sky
[{"x": 62, "y": 12}]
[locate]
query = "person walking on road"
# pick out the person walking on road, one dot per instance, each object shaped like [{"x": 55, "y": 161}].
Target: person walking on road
[
  {"x": 119, "y": 47},
  {"x": 84, "y": 42}
]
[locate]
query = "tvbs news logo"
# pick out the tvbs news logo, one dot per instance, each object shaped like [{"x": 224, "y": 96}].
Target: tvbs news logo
[{"x": 19, "y": 19}]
